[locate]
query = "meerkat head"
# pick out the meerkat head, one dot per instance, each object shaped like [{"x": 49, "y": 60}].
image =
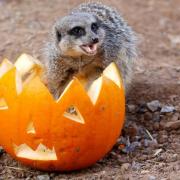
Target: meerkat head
[{"x": 78, "y": 34}]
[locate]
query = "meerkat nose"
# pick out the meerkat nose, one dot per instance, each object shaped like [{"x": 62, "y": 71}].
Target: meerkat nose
[{"x": 95, "y": 40}]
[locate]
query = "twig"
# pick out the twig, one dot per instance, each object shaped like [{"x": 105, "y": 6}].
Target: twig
[
  {"x": 18, "y": 169},
  {"x": 148, "y": 133},
  {"x": 157, "y": 152}
]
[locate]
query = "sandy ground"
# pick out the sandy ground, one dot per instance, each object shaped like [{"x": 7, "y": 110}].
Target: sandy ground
[{"x": 24, "y": 26}]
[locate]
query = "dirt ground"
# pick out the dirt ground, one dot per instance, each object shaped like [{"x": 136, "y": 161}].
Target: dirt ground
[{"x": 23, "y": 28}]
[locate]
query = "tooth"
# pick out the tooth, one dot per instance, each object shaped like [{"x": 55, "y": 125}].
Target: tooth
[
  {"x": 66, "y": 88},
  {"x": 94, "y": 47},
  {"x": 5, "y": 66},
  {"x": 88, "y": 49},
  {"x": 42, "y": 153},
  {"x": 112, "y": 72},
  {"x": 26, "y": 63},
  {"x": 94, "y": 90}
]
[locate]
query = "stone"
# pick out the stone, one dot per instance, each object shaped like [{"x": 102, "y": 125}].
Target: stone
[
  {"x": 175, "y": 117},
  {"x": 150, "y": 143},
  {"x": 142, "y": 108},
  {"x": 151, "y": 177},
  {"x": 153, "y": 105},
  {"x": 162, "y": 139},
  {"x": 172, "y": 125},
  {"x": 162, "y": 124},
  {"x": 131, "y": 130},
  {"x": 148, "y": 116},
  {"x": 167, "y": 109},
  {"x": 178, "y": 69},
  {"x": 43, "y": 177},
  {"x": 136, "y": 166},
  {"x": 131, "y": 108},
  {"x": 156, "y": 116},
  {"x": 125, "y": 167},
  {"x": 156, "y": 126}
]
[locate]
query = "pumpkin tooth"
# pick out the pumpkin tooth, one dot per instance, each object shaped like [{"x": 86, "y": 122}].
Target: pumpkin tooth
[
  {"x": 66, "y": 88},
  {"x": 5, "y": 66},
  {"x": 112, "y": 72},
  {"x": 26, "y": 63},
  {"x": 27, "y": 68},
  {"x": 42, "y": 153},
  {"x": 94, "y": 90},
  {"x": 75, "y": 115}
]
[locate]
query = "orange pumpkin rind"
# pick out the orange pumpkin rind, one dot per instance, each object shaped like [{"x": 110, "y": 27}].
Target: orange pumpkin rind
[{"x": 38, "y": 131}]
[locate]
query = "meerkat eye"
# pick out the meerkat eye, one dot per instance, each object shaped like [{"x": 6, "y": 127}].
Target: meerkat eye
[
  {"x": 58, "y": 35},
  {"x": 94, "y": 27},
  {"x": 77, "y": 31}
]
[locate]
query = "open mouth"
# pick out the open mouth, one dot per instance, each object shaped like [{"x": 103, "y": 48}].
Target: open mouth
[{"x": 89, "y": 49}]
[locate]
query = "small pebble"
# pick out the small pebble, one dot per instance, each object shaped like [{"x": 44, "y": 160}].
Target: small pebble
[
  {"x": 132, "y": 147},
  {"x": 113, "y": 154},
  {"x": 172, "y": 125},
  {"x": 150, "y": 143},
  {"x": 144, "y": 171},
  {"x": 178, "y": 69},
  {"x": 43, "y": 177},
  {"x": 175, "y": 117},
  {"x": 148, "y": 116},
  {"x": 150, "y": 177},
  {"x": 131, "y": 130},
  {"x": 156, "y": 126},
  {"x": 174, "y": 157},
  {"x": 142, "y": 109},
  {"x": 153, "y": 105},
  {"x": 156, "y": 116},
  {"x": 131, "y": 108},
  {"x": 136, "y": 166},
  {"x": 162, "y": 139},
  {"x": 167, "y": 109},
  {"x": 125, "y": 167}
]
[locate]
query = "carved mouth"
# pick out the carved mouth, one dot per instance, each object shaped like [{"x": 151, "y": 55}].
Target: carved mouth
[
  {"x": 89, "y": 49},
  {"x": 42, "y": 153}
]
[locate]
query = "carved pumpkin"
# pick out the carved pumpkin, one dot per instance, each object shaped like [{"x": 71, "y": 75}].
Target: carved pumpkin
[{"x": 39, "y": 131}]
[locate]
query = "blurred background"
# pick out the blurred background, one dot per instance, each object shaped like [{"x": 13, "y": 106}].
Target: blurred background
[{"x": 25, "y": 24}]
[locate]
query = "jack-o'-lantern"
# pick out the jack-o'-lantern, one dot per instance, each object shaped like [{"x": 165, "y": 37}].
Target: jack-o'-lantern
[{"x": 43, "y": 132}]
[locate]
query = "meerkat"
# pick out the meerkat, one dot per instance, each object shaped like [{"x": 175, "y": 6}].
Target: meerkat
[{"x": 85, "y": 42}]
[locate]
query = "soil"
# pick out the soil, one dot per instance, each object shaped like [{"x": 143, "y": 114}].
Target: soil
[{"x": 149, "y": 147}]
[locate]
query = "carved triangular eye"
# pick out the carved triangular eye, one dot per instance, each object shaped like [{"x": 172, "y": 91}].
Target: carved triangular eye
[
  {"x": 3, "y": 104},
  {"x": 30, "y": 128},
  {"x": 74, "y": 114}
]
